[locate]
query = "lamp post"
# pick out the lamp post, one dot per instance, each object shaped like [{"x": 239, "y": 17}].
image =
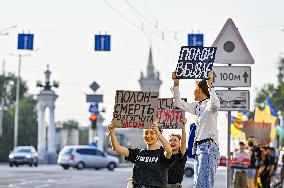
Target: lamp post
[{"x": 16, "y": 122}]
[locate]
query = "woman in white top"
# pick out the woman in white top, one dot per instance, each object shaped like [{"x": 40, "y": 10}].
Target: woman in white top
[{"x": 205, "y": 108}]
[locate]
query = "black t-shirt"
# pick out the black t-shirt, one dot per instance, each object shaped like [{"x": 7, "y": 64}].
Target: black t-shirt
[
  {"x": 150, "y": 167},
  {"x": 176, "y": 170},
  {"x": 266, "y": 162},
  {"x": 255, "y": 157}
]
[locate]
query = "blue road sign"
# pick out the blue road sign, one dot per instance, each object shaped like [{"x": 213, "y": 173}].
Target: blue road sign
[
  {"x": 195, "y": 40},
  {"x": 102, "y": 42},
  {"x": 25, "y": 41},
  {"x": 94, "y": 108}
]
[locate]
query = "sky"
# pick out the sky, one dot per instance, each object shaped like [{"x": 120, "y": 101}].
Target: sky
[{"x": 64, "y": 38}]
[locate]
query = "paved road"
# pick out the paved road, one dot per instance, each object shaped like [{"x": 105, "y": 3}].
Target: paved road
[{"x": 53, "y": 176}]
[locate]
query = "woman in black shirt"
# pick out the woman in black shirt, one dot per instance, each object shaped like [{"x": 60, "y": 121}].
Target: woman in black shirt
[
  {"x": 176, "y": 170},
  {"x": 150, "y": 165}
]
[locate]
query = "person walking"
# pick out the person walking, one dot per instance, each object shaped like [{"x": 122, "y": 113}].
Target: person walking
[{"x": 241, "y": 168}]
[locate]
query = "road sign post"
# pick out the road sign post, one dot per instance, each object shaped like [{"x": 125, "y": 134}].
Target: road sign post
[{"x": 232, "y": 50}]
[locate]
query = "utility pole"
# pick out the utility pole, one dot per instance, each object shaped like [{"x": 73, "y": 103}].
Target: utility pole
[{"x": 16, "y": 122}]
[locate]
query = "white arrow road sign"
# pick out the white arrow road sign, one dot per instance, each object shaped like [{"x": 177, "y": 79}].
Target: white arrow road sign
[
  {"x": 232, "y": 76},
  {"x": 233, "y": 100}
]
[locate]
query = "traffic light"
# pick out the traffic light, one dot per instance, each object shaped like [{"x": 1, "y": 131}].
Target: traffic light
[{"x": 93, "y": 120}]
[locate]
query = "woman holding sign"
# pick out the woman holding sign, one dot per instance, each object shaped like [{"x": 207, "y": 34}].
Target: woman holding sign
[
  {"x": 176, "y": 170},
  {"x": 151, "y": 164},
  {"x": 205, "y": 108}
]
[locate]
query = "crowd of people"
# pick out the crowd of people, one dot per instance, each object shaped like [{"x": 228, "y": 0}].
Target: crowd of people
[
  {"x": 255, "y": 166},
  {"x": 161, "y": 164}
]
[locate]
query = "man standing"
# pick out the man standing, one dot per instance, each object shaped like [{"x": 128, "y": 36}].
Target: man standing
[{"x": 240, "y": 171}]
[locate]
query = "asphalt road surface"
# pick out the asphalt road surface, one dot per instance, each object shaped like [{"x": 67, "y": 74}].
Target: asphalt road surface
[{"x": 53, "y": 176}]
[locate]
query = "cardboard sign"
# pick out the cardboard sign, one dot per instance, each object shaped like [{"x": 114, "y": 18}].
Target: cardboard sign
[
  {"x": 135, "y": 109},
  {"x": 168, "y": 115},
  {"x": 195, "y": 62},
  {"x": 260, "y": 131}
]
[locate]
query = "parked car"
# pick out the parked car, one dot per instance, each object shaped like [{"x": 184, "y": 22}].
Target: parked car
[
  {"x": 189, "y": 168},
  {"x": 23, "y": 155},
  {"x": 85, "y": 157}
]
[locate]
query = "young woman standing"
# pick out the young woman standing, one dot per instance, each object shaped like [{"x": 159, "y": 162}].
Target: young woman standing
[
  {"x": 176, "y": 170},
  {"x": 205, "y": 108},
  {"x": 151, "y": 164}
]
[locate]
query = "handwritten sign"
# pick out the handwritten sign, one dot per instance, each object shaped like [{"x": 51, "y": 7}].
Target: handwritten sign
[
  {"x": 258, "y": 130},
  {"x": 168, "y": 115},
  {"x": 195, "y": 62},
  {"x": 135, "y": 109}
]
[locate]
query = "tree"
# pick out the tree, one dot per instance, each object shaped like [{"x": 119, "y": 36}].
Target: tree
[
  {"x": 275, "y": 92},
  {"x": 27, "y": 130}
]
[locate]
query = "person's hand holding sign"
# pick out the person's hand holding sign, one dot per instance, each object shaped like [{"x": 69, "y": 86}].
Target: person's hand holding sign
[
  {"x": 155, "y": 127},
  {"x": 210, "y": 79},
  {"x": 174, "y": 77},
  {"x": 111, "y": 127}
]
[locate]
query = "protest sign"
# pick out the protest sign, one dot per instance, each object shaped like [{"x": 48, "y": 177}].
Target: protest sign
[
  {"x": 135, "y": 109},
  {"x": 195, "y": 62},
  {"x": 168, "y": 115},
  {"x": 259, "y": 130}
]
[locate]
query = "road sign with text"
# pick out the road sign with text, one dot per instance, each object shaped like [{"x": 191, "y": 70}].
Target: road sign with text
[
  {"x": 232, "y": 76},
  {"x": 233, "y": 100}
]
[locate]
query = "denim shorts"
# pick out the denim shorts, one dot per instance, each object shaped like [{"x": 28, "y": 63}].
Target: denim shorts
[{"x": 251, "y": 173}]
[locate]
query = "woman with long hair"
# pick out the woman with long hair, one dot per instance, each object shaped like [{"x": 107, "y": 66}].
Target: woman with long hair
[
  {"x": 150, "y": 164},
  {"x": 205, "y": 108}
]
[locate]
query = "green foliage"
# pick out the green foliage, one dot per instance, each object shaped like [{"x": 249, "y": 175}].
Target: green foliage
[
  {"x": 27, "y": 130},
  {"x": 69, "y": 124},
  {"x": 83, "y": 136}
]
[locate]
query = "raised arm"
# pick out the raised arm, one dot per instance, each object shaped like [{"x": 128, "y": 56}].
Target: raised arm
[
  {"x": 114, "y": 143},
  {"x": 186, "y": 106},
  {"x": 183, "y": 137},
  {"x": 214, "y": 102},
  {"x": 165, "y": 143}
]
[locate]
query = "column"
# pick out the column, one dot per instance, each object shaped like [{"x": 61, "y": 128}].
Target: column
[
  {"x": 100, "y": 132},
  {"x": 41, "y": 131},
  {"x": 51, "y": 131}
]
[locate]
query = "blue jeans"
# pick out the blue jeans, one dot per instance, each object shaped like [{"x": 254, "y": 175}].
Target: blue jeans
[{"x": 205, "y": 164}]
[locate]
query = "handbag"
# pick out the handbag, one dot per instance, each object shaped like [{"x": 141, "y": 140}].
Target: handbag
[{"x": 191, "y": 140}]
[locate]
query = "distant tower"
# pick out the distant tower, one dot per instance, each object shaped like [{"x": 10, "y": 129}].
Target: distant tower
[{"x": 152, "y": 80}]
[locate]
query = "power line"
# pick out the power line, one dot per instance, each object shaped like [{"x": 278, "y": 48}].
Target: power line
[
  {"x": 135, "y": 25},
  {"x": 124, "y": 17},
  {"x": 139, "y": 13}
]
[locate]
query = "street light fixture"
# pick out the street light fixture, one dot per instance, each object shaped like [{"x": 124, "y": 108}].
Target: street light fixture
[{"x": 5, "y": 31}]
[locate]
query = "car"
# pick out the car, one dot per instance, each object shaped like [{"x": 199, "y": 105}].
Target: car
[
  {"x": 189, "y": 168},
  {"x": 23, "y": 155},
  {"x": 238, "y": 102},
  {"x": 80, "y": 157}
]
